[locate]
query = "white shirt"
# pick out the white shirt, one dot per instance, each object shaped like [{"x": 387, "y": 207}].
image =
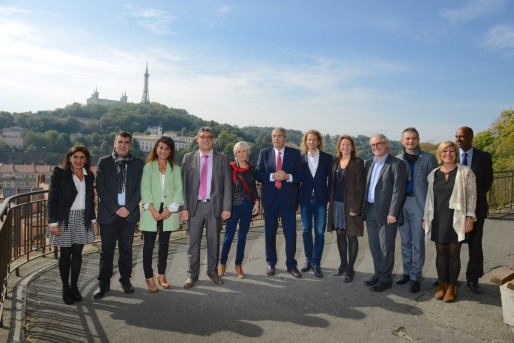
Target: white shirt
[
  {"x": 313, "y": 161},
  {"x": 80, "y": 199}
]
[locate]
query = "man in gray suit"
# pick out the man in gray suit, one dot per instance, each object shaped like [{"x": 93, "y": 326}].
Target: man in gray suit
[
  {"x": 207, "y": 185},
  {"x": 386, "y": 179},
  {"x": 418, "y": 165}
]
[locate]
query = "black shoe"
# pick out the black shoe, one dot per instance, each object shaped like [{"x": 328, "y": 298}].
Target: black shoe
[
  {"x": 127, "y": 286},
  {"x": 371, "y": 282},
  {"x": 76, "y": 294},
  {"x": 435, "y": 283},
  {"x": 306, "y": 267},
  {"x": 270, "y": 271},
  {"x": 295, "y": 272},
  {"x": 317, "y": 272},
  {"x": 415, "y": 286},
  {"x": 475, "y": 288},
  {"x": 350, "y": 274},
  {"x": 380, "y": 287},
  {"x": 340, "y": 271},
  {"x": 403, "y": 280},
  {"x": 190, "y": 282},
  {"x": 100, "y": 291},
  {"x": 67, "y": 297},
  {"x": 215, "y": 278}
]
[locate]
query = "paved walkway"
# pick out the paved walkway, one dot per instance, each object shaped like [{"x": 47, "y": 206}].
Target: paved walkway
[{"x": 259, "y": 308}]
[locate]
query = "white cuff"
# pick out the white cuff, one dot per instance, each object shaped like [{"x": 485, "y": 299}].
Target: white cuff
[{"x": 174, "y": 206}]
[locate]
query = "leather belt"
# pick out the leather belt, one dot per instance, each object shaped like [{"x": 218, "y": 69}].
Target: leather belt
[{"x": 204, "y": 200}]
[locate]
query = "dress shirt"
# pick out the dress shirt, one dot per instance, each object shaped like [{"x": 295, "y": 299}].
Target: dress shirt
[
  {"x": 80, "y": 199},
  {"x": 313, "y": 161},
  {"x": 470, "y": 156},
  {"x": 276, "y": 157},
  {"x": 375, "y": 173},
  {"x": 209, "y": 171}
]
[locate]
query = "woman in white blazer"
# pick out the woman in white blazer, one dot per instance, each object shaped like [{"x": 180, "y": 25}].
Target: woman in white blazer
[{"x": 161, "y": 196}]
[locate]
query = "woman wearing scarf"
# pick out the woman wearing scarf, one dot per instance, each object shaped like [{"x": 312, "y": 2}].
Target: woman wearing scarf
[{"x": 245, "y": 204}]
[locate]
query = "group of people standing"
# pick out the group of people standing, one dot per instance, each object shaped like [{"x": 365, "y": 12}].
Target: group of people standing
[{"x": 406, "y": 192}]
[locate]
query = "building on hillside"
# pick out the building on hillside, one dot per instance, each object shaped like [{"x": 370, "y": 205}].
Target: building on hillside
[
  {"x": 147, "y": 141},
  {"x": 95, "y": 99},
  {"x": 12, "y": 136},
  {"x": 22, "y": 178}
]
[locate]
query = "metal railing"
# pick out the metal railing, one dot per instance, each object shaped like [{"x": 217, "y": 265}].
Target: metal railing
[{"x": 23, "y": 221}]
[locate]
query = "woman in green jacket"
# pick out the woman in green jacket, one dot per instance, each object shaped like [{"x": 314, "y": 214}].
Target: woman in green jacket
[{"x": 161, "y": 196}]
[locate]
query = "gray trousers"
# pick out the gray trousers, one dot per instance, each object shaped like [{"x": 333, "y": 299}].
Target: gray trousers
[
  {"x": 381, "y": 244},
  {"x": 413, "y": 240},
  {"x": 203, "y": 217}
]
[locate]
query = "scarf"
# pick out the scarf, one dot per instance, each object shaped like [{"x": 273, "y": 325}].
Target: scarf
[
  {"x": 121, "y": 168},
  {"x": 237, "y": 168},
  {"x": 411, "y": 159}
]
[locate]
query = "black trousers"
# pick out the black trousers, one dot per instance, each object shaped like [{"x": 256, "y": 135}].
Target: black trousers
[
  {"x": 162, "y": 253},
  {"x": 475, "y": 269},
  {"x": 121, "y": 232}
]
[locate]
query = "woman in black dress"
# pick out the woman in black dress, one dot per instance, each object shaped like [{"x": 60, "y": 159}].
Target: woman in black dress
[{"x": 449, "y": 215}]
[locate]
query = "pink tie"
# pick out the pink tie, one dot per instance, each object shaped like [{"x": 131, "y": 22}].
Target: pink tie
[
  {"x": 203, "y": 178},
  {"x": 278, "y": 184}
]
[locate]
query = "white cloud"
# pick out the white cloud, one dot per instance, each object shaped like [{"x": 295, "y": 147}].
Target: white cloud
[
  {"x": 153, "y": 20},
  {"x": 474, "y": 10},
  {"x": 499, "y": 37}
]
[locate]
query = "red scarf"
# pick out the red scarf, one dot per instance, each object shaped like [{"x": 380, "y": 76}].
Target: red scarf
[{"x": 236, "y": 169}]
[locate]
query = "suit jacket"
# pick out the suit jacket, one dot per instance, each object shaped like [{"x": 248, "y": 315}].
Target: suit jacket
[
  {"x": 319, "y": 183},
  {"x": 221, "y": 183},
  {"x": 151, "y": 194},
  {"x": 389, "y": 191},
  {"x": 482, "y": 166},
  {"x": 292, "y": 164},
  {"x": 107, "y": 189},
  {"x": 354, "y": 185},
  {"x": 424, "y": 165},
  {"x": 62, "y": 194}
]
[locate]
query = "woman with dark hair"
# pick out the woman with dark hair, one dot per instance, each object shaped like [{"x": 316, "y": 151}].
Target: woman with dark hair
[
  {"x": 449, "y": 216},
  {"x": 344, "y": 212},
  {"x": 71, "y": 216},
  {"x": 161, "y": 196}
]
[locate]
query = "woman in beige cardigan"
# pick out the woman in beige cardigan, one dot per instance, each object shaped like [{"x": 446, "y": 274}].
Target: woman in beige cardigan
[
  {"x": 161, "y": 196},
  {"x": 449, "y": 215}
]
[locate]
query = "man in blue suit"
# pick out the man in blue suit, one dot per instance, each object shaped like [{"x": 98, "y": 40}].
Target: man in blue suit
[
  {"x": 314, "y": 196},
  {"x": 279, "y": 169}
]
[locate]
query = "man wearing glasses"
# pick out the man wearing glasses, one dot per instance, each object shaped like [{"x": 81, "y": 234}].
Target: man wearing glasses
[
  {"x": 386, "y": 180},
  {"x": 207, "y": 186}
]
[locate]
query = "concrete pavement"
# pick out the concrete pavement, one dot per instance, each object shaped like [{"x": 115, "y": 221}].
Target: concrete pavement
[{"x": 259, "y": 308}]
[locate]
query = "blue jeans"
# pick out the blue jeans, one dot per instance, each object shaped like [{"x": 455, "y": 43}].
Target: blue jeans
[
  {"x": 317, "y": 211},
  {"x": 242, "y": 214}
]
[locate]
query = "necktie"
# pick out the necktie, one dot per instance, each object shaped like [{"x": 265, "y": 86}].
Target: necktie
[
  {"x": 278, "y": 184},
  {"x": 465, "y": 159},
  {"x": 203, "y": 178}
]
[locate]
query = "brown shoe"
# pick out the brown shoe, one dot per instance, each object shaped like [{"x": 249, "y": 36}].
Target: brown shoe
[
  {"x": 221, "y": 269},
  {"x": 161, "y": 279},
  {"x": 441, "y": 291},
  {"x": 239, "y": 271},
  {"x": 451, "y": 294},
  {"x": 152, "y": 287}
]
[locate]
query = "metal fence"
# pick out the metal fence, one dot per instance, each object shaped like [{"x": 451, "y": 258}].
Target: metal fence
[{"x": 23, "y": 221}]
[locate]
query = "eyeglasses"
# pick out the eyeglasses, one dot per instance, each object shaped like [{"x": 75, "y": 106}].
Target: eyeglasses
[
  {"x": 376, "y": 144},
  {"x": 205, "y": 137}
]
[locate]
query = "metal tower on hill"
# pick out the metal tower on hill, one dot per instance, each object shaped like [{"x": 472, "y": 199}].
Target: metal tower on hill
[{"x": 146, "y": 96}]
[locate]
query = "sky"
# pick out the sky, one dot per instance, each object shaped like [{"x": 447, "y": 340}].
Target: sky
[{"x": 338, "y": 66}]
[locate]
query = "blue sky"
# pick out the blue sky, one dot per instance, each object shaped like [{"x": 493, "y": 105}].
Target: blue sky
[{"x": 339, "y": 66}]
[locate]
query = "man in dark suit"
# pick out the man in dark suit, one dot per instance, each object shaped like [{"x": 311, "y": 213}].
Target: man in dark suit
[
  {"x": 118, "y": 184},
  {"x": 279, "y": 169},
  {"x": 207, "y": 185},
  {"x": 314, "y": 196},
  {"x": 482, "y": 165},
  {"x": 386, "y": 180}
]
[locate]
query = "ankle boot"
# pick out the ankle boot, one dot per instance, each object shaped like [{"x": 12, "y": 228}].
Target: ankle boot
[
  {"x": 451, "y": 294},
  {"x": 152, "y": 287},
  {"x": 75, "y": 294},
  {"x": 441, "y": 291},
  {"x": 239, "y": 271},
  {"x": 67, "y": 297},
  {"x": 221, "y": 269}
]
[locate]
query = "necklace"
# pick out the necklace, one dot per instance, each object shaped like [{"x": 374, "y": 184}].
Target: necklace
[{"x": 340, "y": 173}]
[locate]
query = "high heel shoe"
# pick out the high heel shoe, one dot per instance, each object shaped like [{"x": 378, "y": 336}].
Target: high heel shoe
[
  {"x": 152, "y": 287},
  {"x": 161, "y": 278},
  {"x": 441, "y": 291},
  {"x": 239, "y": 271},
  {"x": 221, "y": 269}
]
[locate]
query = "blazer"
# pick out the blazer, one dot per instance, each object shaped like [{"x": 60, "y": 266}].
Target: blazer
[
  {"x": 151, "y": 194},
  {"x": 354, "y": 185},
  {"x": 221, "y": 183},
  {"x": 389, "y": 191},
  {"x": 62, "y": 194},
  {"x": 424, "y": 165},
  {"x": 319, "y": 183},
  {"x": 292, "y": 164},
  {"x": 107, "y": 189},
  {"x": 482, "y": 167}
]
